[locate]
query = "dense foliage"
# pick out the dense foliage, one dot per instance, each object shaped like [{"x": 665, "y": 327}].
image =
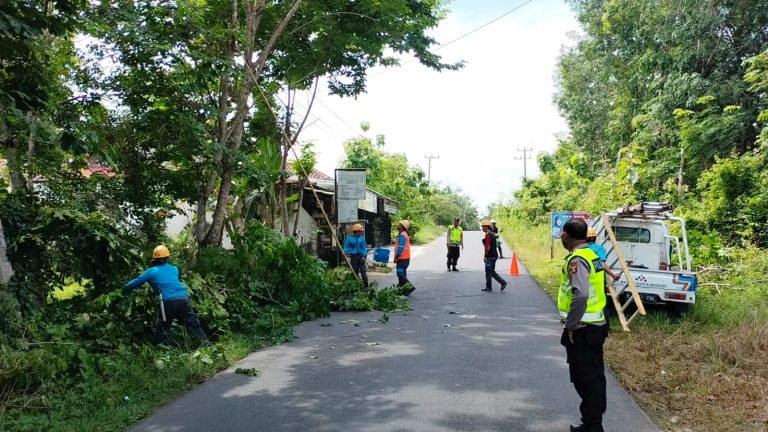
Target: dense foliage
[{"x": 666, "y": 101}]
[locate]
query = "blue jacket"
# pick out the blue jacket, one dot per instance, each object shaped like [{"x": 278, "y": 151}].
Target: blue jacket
[
  {"x": 355, "y": 245},
  {"x": 164, "y": 278}
]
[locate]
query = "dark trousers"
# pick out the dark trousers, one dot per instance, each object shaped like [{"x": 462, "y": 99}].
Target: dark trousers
[
  {"x": 178, "y": 309},
  {"x": 490, "y": 272},
  {"x": 453, "y": 256},
  {"x": 359, "y": 267},
  {"x": 402, "y": 271},
  {"x": 585, "y": 363}
]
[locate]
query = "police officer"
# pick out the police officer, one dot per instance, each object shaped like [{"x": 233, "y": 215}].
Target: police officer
[
  {"x": 455, "y": 239},
  {"x": 357, "y": 250},
  {"x": 581, "y": 300},
  {"x": 165, "y": 279}
]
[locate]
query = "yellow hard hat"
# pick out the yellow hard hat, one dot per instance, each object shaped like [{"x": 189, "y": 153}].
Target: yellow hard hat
[
  {"x": 485, "y": 222},
  {"x": 405, "y": 224},
  {"x": 357, "y": 227},
  {"x": 591, "y": 232},
  {"x": 161, "y": 252}
]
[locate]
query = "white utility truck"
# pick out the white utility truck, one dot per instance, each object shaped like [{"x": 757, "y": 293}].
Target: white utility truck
[{"x": 658, "y": 262}]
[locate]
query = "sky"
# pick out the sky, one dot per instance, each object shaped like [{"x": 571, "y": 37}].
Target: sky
[{"x": 476, "y": 118}]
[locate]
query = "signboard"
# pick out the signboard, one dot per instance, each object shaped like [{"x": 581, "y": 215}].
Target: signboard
[
  {"x": 390, "y": 206},
  {"x": 559, "y": 219},
  {"x": 347, "y": 211},
  {"x": 369, "y": 203},
  {"x": 350, "y": 184}
]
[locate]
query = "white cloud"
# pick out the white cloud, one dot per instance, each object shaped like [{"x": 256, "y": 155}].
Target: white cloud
[{"x": 475, "y": 118}]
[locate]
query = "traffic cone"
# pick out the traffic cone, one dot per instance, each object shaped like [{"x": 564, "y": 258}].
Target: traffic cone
[{"x": 513, "y": 270}]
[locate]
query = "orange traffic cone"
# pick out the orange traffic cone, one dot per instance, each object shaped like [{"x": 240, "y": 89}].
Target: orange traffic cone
[{"x": 513, "y": 270}]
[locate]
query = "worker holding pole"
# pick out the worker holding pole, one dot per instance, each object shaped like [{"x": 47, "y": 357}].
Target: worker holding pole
[
  {"x": 357, "y": 251},
  {"x": 165, "y": 279}
]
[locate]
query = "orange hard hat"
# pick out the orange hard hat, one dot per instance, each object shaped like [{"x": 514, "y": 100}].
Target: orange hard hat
[
  {"x": 161, "y": 252},
  {"x": 357, "y": 227},
  {"x": 485, "y": 222}
]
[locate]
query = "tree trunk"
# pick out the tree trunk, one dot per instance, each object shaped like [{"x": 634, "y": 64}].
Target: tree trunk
[
  {"x": 18, "y": 182},
  {"x": 216, "y": 230},
  {"x": 6, "y": 270},
  {"x": 11, "y": 144},
  {"x": 298, "y": 208},
  {"x": 233, "y": 137},
  {"x": 680, "y": 181},
  {"x": 283, "y": 204}
]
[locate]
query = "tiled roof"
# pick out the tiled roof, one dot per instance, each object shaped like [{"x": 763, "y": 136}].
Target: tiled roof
[{"x": 319, "y": 175}]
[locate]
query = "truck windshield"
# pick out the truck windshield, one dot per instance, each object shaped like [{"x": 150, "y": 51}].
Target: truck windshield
[{"x": 632, "y": 234}]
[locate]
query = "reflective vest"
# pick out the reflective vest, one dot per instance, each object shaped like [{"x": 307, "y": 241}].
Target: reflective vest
[
  {"x": 596, "y": 299},
  {"x": 407, "y": 249},
  {"x": 455, "y": 237}
]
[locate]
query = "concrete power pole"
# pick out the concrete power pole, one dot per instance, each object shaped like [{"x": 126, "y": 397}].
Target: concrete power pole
[
  {"x": 524, "y": 158},
  {"x": 429, "y": 167}
]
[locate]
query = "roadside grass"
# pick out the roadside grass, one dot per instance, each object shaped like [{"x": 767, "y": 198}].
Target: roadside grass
[
  {"x": 130, "y": 386},
  {"x": 704, "y": 371},
  {"x": 427, "y": 232}
]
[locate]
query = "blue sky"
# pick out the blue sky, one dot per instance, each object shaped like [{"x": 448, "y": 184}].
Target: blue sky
[{"x": 475, "y": 118}]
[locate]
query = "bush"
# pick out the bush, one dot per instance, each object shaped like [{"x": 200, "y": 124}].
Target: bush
[{"x": 346, "y": 293}]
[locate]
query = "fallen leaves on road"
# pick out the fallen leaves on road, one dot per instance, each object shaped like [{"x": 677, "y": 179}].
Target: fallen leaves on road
[{"x": 252, "y": 372}]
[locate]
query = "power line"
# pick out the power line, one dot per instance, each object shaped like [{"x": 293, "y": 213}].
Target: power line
[
  {"x": 357, "y": 132},
  {"x": 484, "y": 25},
  {"x": 475, "y": 30}
]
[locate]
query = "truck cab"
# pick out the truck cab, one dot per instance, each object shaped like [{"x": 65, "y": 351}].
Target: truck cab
[{"x": 659, "y": 263}]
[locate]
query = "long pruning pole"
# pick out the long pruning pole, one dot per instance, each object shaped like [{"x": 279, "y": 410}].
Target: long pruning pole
[{"x": 290, "y": 142}]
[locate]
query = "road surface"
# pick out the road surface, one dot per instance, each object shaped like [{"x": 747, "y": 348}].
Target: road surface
[{"x": 461, "y": 360}]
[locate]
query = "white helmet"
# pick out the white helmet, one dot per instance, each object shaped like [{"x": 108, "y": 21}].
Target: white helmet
[{"x": 493, "y": 220}]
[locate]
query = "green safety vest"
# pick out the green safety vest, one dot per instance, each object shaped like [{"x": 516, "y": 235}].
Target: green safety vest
[
  {"x": 455, "y": 234},
  {"x": 596, "y": 300}
]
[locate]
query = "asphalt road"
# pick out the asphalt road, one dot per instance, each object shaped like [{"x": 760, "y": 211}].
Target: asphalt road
[{"x": 461, "y": 360}]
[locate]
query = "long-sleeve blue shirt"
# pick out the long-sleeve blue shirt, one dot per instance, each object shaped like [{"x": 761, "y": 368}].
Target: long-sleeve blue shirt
[
  {"x": 355, "y": 245},
  {"x": 164, "y": 278}
]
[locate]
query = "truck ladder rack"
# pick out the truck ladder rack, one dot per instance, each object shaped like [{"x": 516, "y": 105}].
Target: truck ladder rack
[{"x": 604, "y": 224}]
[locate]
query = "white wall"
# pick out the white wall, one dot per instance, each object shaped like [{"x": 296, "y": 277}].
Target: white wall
[{"x": 184, "y": 216}]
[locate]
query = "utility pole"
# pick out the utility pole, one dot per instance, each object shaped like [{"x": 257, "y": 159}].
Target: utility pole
[
  {"x": 524, "y": 158},
  {"x": 429, "y": 166}
]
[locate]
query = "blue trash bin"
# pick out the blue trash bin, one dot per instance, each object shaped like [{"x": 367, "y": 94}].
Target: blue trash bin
[{"x": 381, "y": 255}]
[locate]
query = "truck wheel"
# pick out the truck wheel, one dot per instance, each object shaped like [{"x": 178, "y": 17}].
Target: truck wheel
[{"x": 679, "y": 309}]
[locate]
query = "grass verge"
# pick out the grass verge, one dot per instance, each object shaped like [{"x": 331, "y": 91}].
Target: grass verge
[
  {"x": 427, "y": 232},
  {"x": 129, "y": 385},
  {"x": 704, "y": 371}
]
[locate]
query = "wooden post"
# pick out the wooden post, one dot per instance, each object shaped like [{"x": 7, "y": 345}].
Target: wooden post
[{"x": 624, "y": 267}]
